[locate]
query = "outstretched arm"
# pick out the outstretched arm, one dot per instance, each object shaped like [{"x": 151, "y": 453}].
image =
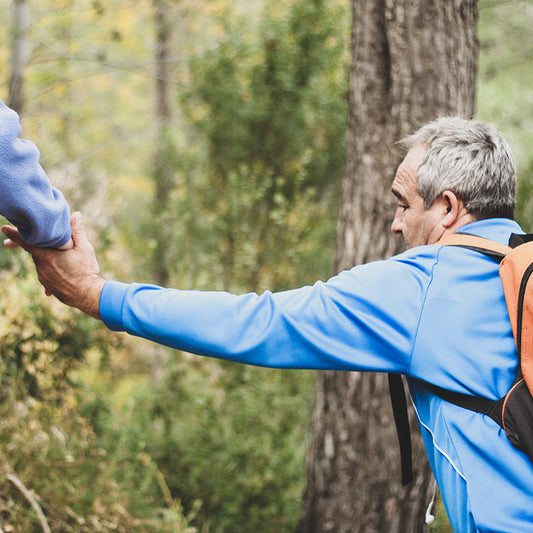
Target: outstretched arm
[
  {"x": 346, "y": 323},
  {"x": 72, "y": 275}
]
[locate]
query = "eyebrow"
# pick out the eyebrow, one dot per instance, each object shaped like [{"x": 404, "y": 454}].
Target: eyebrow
[{"x": 398, "y": 194}]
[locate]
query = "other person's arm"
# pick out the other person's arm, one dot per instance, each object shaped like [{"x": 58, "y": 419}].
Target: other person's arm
[{"x": 27, "y": 199}]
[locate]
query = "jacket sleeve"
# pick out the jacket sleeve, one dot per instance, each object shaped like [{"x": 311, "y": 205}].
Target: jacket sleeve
[
  {"x": 27, "y": 199},
  {"x": 358, "y": 320}
]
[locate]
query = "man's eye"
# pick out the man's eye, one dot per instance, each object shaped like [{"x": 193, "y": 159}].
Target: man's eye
[{"x": 403, "y": 207}]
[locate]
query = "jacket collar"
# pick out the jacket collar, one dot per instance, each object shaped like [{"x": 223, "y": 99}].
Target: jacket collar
[{"x": 496, "y": 229}]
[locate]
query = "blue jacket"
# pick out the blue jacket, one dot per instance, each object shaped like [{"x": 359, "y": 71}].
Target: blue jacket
[
  {"x": 434, "y": 313},
  {"x": 27, "y": 199}
]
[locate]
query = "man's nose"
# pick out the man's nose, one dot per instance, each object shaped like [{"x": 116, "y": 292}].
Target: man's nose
[{"x": 396, "y": 226}]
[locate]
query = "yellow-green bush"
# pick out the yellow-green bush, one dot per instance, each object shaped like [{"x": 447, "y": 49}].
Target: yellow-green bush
[{"x": 54, "y": 471}]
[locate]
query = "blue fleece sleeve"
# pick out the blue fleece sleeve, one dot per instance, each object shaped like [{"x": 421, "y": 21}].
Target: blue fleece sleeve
[
  {"x": 359, "y": 320},
  {"x": 27, "y": 199}
]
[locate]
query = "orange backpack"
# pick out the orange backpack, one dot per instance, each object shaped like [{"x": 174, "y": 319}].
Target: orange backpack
[{"x": 514, "y": 411}]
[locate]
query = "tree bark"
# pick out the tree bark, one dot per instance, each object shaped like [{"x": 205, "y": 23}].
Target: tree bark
[
  {"x": 411, "y": 62},
  {"x": 19, "y": 54},
  {"x": 164, "y": 151}
]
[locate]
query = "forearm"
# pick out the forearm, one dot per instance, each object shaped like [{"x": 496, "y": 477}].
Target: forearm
[
  {"x": 27, "y": 198},
  {"x": 215, "y": 324},
  {"x": 304, "y": 328}
]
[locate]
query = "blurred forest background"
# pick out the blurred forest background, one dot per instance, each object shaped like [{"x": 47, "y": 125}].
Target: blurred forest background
[{"x": 204, "y": 143}]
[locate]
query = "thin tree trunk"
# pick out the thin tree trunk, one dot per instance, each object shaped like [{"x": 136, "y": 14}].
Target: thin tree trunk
[
  {"x": 411, "y": 62},
  {"x": 19, "y": 54},
  {"x": 163, "y": 165}
]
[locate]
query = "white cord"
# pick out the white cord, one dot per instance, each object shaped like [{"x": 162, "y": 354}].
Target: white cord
[{"x": 430, "y": 517}]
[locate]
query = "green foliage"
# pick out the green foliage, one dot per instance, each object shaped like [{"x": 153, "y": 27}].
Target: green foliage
[
  {"x": 229, "y": 440},
  {"x": 271, "y": 114},
  {"x": 38, "y": 346},
  {"x": 265, "y": 100},
  {"x": 524, "y": 207},
  {"x": 49, "y": 436},
  {"x": 504, "y": 94}
]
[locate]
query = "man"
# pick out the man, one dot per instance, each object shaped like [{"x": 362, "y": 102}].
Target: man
[
  {"x": 434, "y": 313},
  {"x": 27, "y": 198}
]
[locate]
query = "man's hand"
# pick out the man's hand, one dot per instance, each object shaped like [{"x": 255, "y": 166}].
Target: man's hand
[{"x": 72, "y": 275}]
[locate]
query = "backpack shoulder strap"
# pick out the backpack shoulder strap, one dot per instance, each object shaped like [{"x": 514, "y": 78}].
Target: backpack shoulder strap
[
  {"x": 479, "y": 244},
  {"x": 401, "y": 419},
  {"x": 396, "y": 388},
  {"x": 479, "y": 404},
  {"x": 516, "y": 271},
  {"x": 517, "y": 239}
]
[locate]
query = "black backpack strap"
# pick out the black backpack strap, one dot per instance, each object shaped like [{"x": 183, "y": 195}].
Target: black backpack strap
[
  {"x": 401, "y": 418},
  {"x": 491, "y": 408},
  {"x": 479, "y": 404},
  {"x": 519, "y": 238}
]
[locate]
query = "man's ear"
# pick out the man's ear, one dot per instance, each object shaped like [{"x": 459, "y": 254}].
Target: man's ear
[{"x": 453, "y": 206}]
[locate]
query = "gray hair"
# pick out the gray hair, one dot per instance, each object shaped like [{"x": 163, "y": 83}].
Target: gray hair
[{"x": 469, "y": 158}]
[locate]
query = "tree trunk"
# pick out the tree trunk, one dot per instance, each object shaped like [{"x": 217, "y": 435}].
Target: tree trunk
[
  {"x": 164, "y": 151},
  {"x": 19, "y": 54},
  {"x": 411, "y": 62}
]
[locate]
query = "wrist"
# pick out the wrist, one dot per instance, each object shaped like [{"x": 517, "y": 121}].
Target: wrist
[{"x": 89, "y": 303}]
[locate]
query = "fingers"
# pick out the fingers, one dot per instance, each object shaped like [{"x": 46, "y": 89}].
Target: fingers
[
  {"x": 79, "y": 236},
  {"x": 10, "y": 231},
  {"x": 14, "y": 239},
  {"x": 8, "y": 243}
]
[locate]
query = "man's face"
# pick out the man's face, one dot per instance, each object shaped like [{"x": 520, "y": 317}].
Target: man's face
[{"x": 416, "y": 224}]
